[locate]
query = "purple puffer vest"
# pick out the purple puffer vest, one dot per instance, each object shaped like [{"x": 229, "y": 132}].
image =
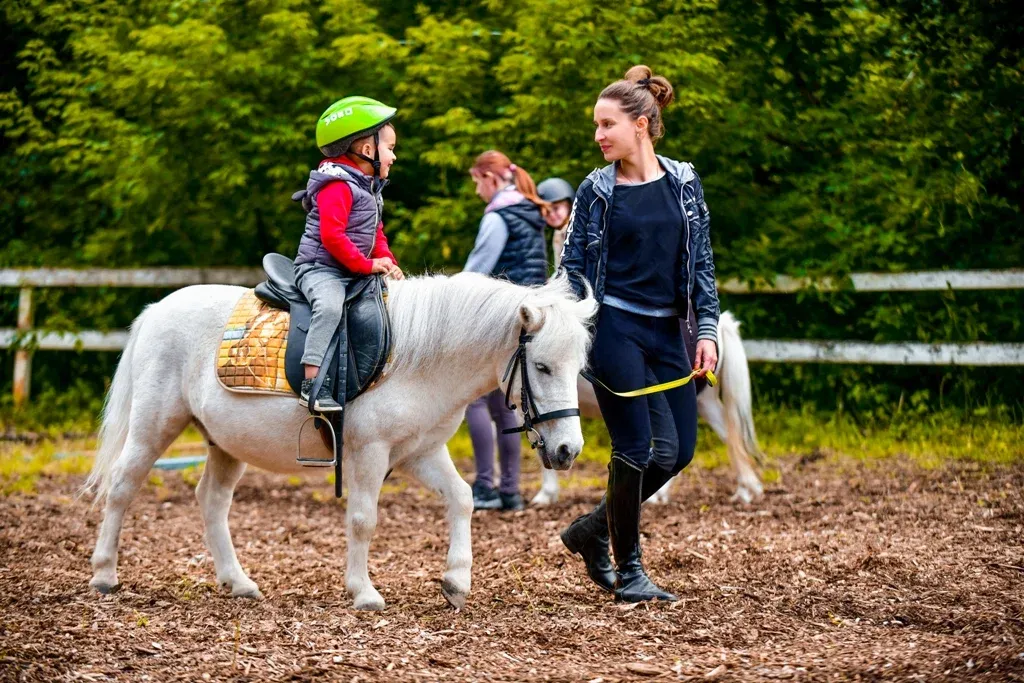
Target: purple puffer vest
[{"x": 367, "y": 209}]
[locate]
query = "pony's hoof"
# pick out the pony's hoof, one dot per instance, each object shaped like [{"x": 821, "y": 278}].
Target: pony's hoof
[
  {"x": 251, "y": 592},
  {"x": 544, "y": 498},
  {"x": 105, "y": 588},
  {"x": 746, "y": 496},
  {"x": 453, "y": 595},
  {"x": 371, "y": 601},
  {"x": 369, "y": 605},
  {"x": 240, "y": 588}
]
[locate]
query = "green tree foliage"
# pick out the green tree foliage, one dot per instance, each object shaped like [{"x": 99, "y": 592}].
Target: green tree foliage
[{"x": 833, "y": 136}]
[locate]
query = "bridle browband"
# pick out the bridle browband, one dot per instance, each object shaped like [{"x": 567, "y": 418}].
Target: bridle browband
[{"x": 531, "y": 415}]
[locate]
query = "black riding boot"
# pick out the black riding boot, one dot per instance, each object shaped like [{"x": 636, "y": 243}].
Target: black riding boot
[
  {"x": 588, "y": 534},
  {"x": 625, "y": 494}
]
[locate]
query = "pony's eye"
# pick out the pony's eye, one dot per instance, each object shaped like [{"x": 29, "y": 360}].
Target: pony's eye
[{"x": 542, "y": 368}]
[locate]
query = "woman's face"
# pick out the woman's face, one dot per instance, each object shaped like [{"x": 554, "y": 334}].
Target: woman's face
[
  {"x": 614, "y": 131},
  {"x": 487, "y": 185}
]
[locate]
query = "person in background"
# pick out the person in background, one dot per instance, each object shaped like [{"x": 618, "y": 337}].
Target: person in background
[
  {"x": 559, "y": 194},
  {"x": 510, "y": 245}
]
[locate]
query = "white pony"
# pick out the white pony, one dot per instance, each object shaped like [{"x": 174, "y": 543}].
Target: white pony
[
  {"x": 727, "y": 408},
  {"x": 452, "y": 340}
]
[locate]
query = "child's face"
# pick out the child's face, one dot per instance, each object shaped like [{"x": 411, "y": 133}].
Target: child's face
[
  {"x": 387, "y": 141},
  {"x": 559, "y": 214}
]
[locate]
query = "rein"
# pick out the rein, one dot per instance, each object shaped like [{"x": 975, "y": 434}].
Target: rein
[{"x": 531, "y": 414}]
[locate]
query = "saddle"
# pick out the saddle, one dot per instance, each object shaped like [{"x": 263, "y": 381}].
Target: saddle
[{"x": 362, "y": 342}]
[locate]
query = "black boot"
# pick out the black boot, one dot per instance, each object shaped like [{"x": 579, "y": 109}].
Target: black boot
[
  {"x": 625, "y": 494},
  {"x": 588, "y": 534}
]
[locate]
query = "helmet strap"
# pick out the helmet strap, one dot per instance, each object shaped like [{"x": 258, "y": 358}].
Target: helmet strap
[{"x": 375, "y": 160}]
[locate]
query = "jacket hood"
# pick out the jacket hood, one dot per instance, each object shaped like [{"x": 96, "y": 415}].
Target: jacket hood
[{"x": 604, "y": 178}]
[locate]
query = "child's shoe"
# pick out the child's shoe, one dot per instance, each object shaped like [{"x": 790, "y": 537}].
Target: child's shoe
[{"x": 325, "y": 403}]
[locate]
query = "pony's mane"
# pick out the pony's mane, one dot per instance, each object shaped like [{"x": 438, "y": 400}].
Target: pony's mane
[{"x": 436, "y": 316}]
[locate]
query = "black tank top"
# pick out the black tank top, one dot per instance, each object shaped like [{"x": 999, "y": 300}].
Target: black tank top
[{"x": 645, "y": 237}]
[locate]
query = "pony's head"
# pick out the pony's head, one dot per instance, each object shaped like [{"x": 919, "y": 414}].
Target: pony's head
[
  {"x": 558, "y": 325},
  {"x": 471, "y": 323}
]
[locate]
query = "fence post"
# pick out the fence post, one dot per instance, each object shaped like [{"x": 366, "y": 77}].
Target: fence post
[{"x": 23, "y": 357}]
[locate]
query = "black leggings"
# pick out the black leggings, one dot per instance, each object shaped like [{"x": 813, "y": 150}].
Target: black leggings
[{"x": 629, "y": 352}]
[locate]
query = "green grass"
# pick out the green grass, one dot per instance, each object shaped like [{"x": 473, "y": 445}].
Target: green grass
[
  {"x": 927, "y": 440},
  {"x": 21, "y": 466}
]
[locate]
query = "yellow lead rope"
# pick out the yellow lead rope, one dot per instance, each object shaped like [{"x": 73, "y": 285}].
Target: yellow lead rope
[{"x": 657, "y": 388}]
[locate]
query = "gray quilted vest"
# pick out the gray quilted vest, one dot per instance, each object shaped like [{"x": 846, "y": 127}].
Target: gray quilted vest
[
  {"x": 367, "y": 209},
  {"x": 524, "y": 259}
]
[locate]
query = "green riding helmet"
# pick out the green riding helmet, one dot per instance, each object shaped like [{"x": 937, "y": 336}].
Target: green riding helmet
[
  {"x": 556, "y": 190},
  {"x": 349, "y": 119}
]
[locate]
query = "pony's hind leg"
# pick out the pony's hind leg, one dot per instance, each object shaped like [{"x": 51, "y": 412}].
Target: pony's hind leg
[
  {"x": 214, "y": 493},
  {"x": 145, "y": 443},
  {"x": 437, "y": 472},
  {"x": 365, "y": 476},
  {"x": 748, "y": 484}
]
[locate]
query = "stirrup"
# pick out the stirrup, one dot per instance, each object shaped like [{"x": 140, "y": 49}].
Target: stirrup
[{"x": 318, "y": 462}]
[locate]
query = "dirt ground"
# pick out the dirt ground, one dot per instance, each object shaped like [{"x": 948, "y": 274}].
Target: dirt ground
[{"x": 847, "y": 570}]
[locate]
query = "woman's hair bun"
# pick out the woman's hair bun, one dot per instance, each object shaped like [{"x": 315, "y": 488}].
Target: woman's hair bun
[{"x": 658, "y": 86}]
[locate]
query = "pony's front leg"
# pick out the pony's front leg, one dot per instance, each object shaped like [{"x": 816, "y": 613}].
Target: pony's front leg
[
  {"x": 437, "y": 472},
  {"x": 366, "y": 473},
  {"x": 548, "y": 493}
]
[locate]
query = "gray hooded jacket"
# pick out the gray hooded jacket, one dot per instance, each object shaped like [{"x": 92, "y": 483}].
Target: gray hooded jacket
[{"x": 585, "y": 252}]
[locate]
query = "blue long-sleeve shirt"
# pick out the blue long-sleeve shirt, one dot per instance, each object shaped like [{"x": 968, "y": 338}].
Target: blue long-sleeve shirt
[{"x": 490, "y": 242}]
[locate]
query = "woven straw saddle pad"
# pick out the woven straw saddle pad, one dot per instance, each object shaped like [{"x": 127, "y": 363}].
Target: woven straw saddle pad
[{"x": 251, "y": 355}]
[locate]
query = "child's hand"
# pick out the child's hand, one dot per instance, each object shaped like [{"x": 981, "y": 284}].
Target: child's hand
[
  {"x": 396, "y": 273},
  {"x": 381, "y": 265}
]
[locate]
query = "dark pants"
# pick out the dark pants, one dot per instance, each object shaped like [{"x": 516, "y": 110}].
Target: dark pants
[
  {"x": 479, "y": 415},
  {"x": 664, "y": 439},
  {"x": 631, "y": 351}
]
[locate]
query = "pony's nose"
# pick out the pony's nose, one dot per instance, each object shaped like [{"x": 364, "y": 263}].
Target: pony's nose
[{"x": 564, "y": 455}]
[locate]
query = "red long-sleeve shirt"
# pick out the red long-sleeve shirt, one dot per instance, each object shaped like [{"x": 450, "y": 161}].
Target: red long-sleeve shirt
[{"x": 335, "y": 204}]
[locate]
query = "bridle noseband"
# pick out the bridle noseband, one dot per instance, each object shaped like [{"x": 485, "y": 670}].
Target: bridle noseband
[{"x": 531, "y": 415}]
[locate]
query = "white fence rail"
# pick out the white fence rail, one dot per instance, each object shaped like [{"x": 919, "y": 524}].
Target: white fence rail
[
  {"x": 894, "y": 353},
  {"x": 25, "y": 339},
  {"x": 128, "y": 277},
  {"x": 919, "y": 281}
]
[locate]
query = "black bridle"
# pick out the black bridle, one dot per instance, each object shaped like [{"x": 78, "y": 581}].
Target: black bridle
[{"x": 531, "y": 415}]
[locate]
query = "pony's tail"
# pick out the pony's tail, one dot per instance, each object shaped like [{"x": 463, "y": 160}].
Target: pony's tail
[
  {"x": 117, "y": 410},
  {"x": 736, "y": 393}
]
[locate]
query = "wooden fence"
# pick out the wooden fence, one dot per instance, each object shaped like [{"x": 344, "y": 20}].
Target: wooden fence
[{"x": 25, "y": 339}]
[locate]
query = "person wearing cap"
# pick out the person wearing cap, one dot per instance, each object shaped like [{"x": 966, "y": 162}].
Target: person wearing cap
[
  {"x": 559, "y": 194},
  {"x": 510, "y": 244},
  {"x": 344, "y": 236}
]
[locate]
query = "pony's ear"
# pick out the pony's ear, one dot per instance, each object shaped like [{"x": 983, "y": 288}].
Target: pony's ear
[{"x": 531, "y": 317}]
